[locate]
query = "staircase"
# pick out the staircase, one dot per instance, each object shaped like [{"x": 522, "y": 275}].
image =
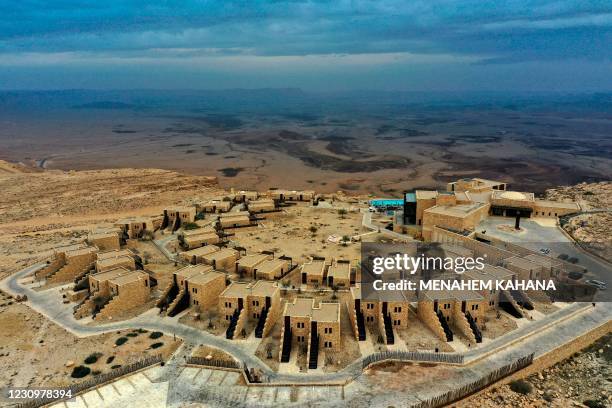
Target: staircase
[
  {"x": 82, "y": 281},
  {"x": 447, "y": 330},
  {"x": 165, "y": 221},
  {"x": 177, "y": 223},
  {"x": 314, "y": 347},
  {"x": 229, "y": 333},
  {"x": 168, "y": 296},
  {"x": 97, "y": 309},
  {"x": 180, "y": 303},
  {"x": 389, "y": 329},
  {"x": 286, "y": 349},
  {"x": 361, "y": 325},
  {"x": 474, "y": 327},
  {"x": 522, "y": 299},
  {"x": 509, "y": 304},
  {"x": 261, "y": 323}
]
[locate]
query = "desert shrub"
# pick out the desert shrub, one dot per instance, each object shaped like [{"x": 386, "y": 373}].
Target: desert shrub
[
  {"x": 594, "y": 404},
  {"x": 573, "y": 260},
  {"x": 121, "y": 340},
  {"x": 156, "y": 345},
  {"x": 80, "y": 371},
  {"x": 116, "y": 366},
  {"x": 156, "y": 335},
  {"x": 92, "y": 358},
  {"x": 141, "y": 331},
  {"x": 563, "y": 257},
  {"x": 521, "y": 387},
  {"x": 110, "y": 359},
  {"x": 96, "y": 372},
  {"x": 190, "y": 226},
  {"x": 132, "y": 334}
]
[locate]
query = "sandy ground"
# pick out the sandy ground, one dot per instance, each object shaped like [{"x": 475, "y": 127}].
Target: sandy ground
[{"x": 35, "y": 352}]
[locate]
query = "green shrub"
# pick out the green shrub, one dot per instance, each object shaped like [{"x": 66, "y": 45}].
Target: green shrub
[
  {"x": 156, "y": 345},
  {"x": 80, "y": 371},
  {"x": 190, "y": 226},
  {"x": 156, "y": 335},
  {"x": 110, "y": 359},
  {"x": 521, "y": 387},
  {"x": 121, "y": 340},
  {"x": 96, "y": 372},
  {"x": 141, "y": 331},
  {"x": 116, "y": 366},
  {"x": 132, "y": 334},
  {"x": 92, "y": 358}
]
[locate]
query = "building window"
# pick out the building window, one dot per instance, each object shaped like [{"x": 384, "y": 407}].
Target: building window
[
  {"x": 300, "y": 325},
  {"x": 397, "y": 309},
  {"x": 370, "y": 306}
]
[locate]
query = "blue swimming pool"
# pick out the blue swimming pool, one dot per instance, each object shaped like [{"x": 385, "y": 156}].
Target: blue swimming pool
[{"x": 383, "y": 202}]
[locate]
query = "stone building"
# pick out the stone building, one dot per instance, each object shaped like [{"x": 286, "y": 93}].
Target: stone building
[
  {"x": 339, "y": 274},
  {"x": 387, "y": 313},
  {"x": 215, "y": 206},
  {"x": 105, "y": 240},
  {"x": 442, "y": 311},
  {"x": 243, "y": 305},
  {"x": 246, "y": 265},
  {"x": 291, "y": 195},
  {"x": 190, "y": 239},
  {"x": 114, "y": 259},
  {"x": 68, "y": 264},
  {"x": 196, "y": 256},
  {"x": 311, "y": 327},
  {"x": 235, "y": 219},
  {"x": 175, "y": 217},
  {"x": 261, "y": 206},
  {"x": 272, "y": 269},
  {"x": 193, "y": 285},
  {"x": 114, "y": 292},
  {"x": 314, "y": 272},
  {"x": 134, "y": 227}
]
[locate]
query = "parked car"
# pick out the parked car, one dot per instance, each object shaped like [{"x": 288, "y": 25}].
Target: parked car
[
  {"x": 545, "y": 251},
  {"x": 597, "y": 283}
]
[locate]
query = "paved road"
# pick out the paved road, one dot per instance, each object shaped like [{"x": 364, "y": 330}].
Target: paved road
[
  {"x": 49, "y": 303},
  {"x": 366, "y": 222},
  {"x": 538, "y": 236}
]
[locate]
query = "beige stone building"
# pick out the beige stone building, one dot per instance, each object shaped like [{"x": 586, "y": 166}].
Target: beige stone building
[
  {"x": 215, "y": 206},
  {"x": 175, "y": 217},
  {"x": 68, "y": 263},
  {"x": 115, "y": 259},
  {"x": 291, "y": 195},
  {"x": 273, "y": 269},
  {"x": 314, "y": 272},
  {"x": 386, "y": 314},
  {"x": 261, "y": 206},
  {"x": 134, "y": 227},
  {"x": 235, "y": 219},
  {"x": 246, "y": 265},
  {"x": 196, "y": 256},
  {"x": 194, "y": 285},
  {"x": 223, "y": 260},
  {"x": 244, "y": 305},
  {"x": 311, "y": 327},
  {"x": 113, "y": 292},
  {"x": 339, "y": 274},
  {"x": 460, "y": 217},
  {"x": 243, "y": 195},
  {"x": 475, "y": 185},
  {"x": 446, "y": 311},
  {"x": 105, "y": 240},
  {"x": 190, "y": 239}
]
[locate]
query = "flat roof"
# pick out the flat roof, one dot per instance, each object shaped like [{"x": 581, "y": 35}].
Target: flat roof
[
  {"x": 180, "y": 208},
  {"x": 117, "y": 253},
  {"x": 512, "y": 195},
  {"x": 522, "y": 263},
  {"x": 205, "y": 277},
  {"x": 271, "y": 264},
  {"x": 543, "y": 260},
  {"x": 202, "y": 251},
  {"x": 192, "y": 270},
  {"x": 252, "y": 260},
  {"x": 490, "y": 272},
  {"x": 106, "y": 275},
  {"x": 234, "y": 214},
  {"x": 81, "y": 251},
  {"x": 558, "y": 204},
  {"x": 426, "y": 194},
  {"x": 459, "y": 210},
  {"x": 304, "y": 307},
  {"x": 223, "y": 253},
  {"x": 314, "y": 267},
  {"x": 244, "y": 289},
  {"x": 198, "y": 231},
  {"x": 115, "y": 260},
  {"x": 129, "y": 277},
  {"x": 340, "y": 270},
  {"x": 410, "y": 197},
  {"x": 459, "y": 295},
  {"x": 106, "y": 234}
]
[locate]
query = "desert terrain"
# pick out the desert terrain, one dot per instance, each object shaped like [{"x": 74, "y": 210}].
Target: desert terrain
[{"x": 294, "y": 140}]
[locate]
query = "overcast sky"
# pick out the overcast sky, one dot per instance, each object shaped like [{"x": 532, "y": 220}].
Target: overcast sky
[{"x": 423, "y": 45}]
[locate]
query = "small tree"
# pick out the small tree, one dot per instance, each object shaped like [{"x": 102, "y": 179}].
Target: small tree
[
  {"x": 313, "y": 230},
  {"x": 342, "y": 212},
  {"x": 345, "y": 240}
]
